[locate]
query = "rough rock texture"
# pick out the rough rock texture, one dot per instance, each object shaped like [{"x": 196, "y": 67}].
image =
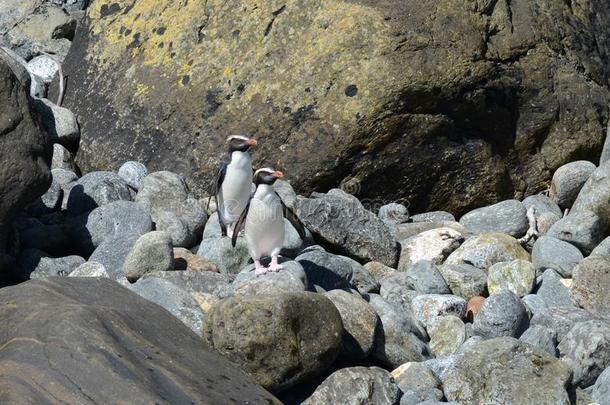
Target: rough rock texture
[
  {"x": 108, "y": 324},
  {"x": 428, "y": 307},
  {"x": 433, "y": 245},
  {"x": 291, "y": 278},
  {"x": 507, "y": 371},
  {"x": 561, "y": 319},
  {"x": 193, "y": 281},
  {"x": 582, "y": 229},
  {"x": 325, "y": 269},
  {"x": 447, "y": 334},
  {"x": 151, "y": 252},
  {"x": 357, "y": 385},
  {"x": 464, "y": 280},
  {"x": 591, "y": 284},
  {"x": 279, "y": 339},
  {"x": 484, "y": 250},
  {"x": 341, "y": 220},
  {"x": 504, "y": 217},
  {"x": 601, "y": 389},
  {"x": 556, "y": 254},
  {"x": 595, "y": 194},
  {"x": 517, "y": 276},
  {"x": 414, "y": 377},
  {"x": 505, "y": 92},
  {"x": 502, "y": 314},
  {"x": 552, "y": 290},
  {"x": 25, "y": 149}
]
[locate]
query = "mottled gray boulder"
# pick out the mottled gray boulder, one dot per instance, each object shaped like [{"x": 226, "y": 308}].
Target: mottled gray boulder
[
  {"x": 541, "y": 337},
  {"x": 410, "y": 229},
  {"x": 502, "y": 314},
  {"x": 595, "y": 194},
  {"x": 133, "y": 173},
  {"x": 151, "y": 252},
  {"x": 591, "y": 284},
  {"x": 64, "y": 176},
  {"x": 229, "y": 260},
  {"x": 280, "y": 340},
  {"x": 33, "y": 263},
  {"x": 177, "y": 301},
  {"x": 601, "y": 390},
  {"x": 176, "y": 228},
  {"x": 403, "y": 336},
  {"x": 96, "y": 189},
  {"x": 561, "y": 319},
  {"x": 398, "y": 289},
  {"x": 44, "y": 67},
  {"x": 361, "y": 324},
  {"x": 378, "y": 270},
  {"x": 568, "y": 180},
  {"x": 586, "y": 351},
  {"x": 447, "y": 334},
  {"x": 433, "y": 245},
  {"x": 428, "y": 307},
  {"x": 393, "y": 214},
  {"x": 339, "y": 219},
  {"x": 603, "y": 249},
  {"x": 60, "y": 122},
  {"x": 325, "y": 269},
  {"x": 507, "y": 371},
  {"x": 556, "y": 254},
  {"x": 545, "y": 221},
  {"x": 433, "y": 216},
  {"x": 361, "y": 279},
  {"x": 552, "y": 290},
  {"x": 424, "y": 276},
  {"x": 484, "y": 250},
  {"x": 420, "y": 396},
  {"x": 583, "y": 229},
  {"x": 533, "y": 304},
  {"x": 356, "y": 385},
  {"x": 504, "y": 217},
  {"x": 205, "y": 282},
  {"x": 464, "y": 280},
  {"x": 62, "y": 158},
  {"x": 415, "y": 376},
  {"x": 90, "y": 269},
  {"x": 517, "y": 276},
  {"x": 286, "y": 192},
  {"x": 542, "y": 204},
  {"x": 291, "y": 278},
  {"x": 113, "y": 252}
]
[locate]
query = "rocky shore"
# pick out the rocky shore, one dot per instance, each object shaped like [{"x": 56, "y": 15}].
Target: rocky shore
[{"x": 118, "y": 285}]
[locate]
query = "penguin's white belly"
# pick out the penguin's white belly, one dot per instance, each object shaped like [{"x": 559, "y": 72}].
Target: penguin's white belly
[
  {"x": 264, "y": 228},
  {"x": 235, "y": 191}
]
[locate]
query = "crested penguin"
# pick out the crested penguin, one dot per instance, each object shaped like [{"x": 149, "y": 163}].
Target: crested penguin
[
  {"x": 263, "y": 220},
  {"x": 233, "y": 185}
]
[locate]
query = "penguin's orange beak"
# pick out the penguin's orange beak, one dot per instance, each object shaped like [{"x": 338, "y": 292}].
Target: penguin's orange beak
[
  {"x": 252, "y": 142},
  {"x": 278, "y": 174}
]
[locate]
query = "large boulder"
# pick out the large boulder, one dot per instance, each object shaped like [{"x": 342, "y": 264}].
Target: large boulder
[
  {"x": 89, "y": 340},
  {"x": 25, "y": 148},
  {"x": 591, "y": 283},
  {"x": 505, "y": 92}
]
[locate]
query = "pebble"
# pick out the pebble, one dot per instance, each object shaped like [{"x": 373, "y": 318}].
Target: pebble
[
  {"x": 415, "y": 376},
  {"x": 541, "y": 337},
  {"x": 393, "y": 214},
  {"x": 600, "y": 393},
  {"x": 113, "y": 252},
  {"x": 325, "y": 269},
  {"x": 603, "y": 249},
  {"x": 62, "y": 159},
  {"x": 595, "y": 194},
  {"x": 94, "y": 190},
  {"x": 543, "y": 205},
  {"x": 424, "y": 277},
  {"x": 291, "y": 278},
  {"x": 43, "y": 67},
  {"x": 90, "y": 269},
  {"x": 433, "y": 216}
]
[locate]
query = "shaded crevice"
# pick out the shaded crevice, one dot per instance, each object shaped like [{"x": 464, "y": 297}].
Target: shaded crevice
[{"x": 275, "y": 14}]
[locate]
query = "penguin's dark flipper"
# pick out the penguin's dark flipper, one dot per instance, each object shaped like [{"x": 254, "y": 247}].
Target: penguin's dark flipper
[
  {"x": 240, "y": 224},
  {"x": 294, "y": 220}
]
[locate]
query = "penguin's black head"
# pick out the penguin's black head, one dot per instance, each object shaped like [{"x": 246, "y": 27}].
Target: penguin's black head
[
  {"x": 240, "y": 143},
  {"x": 267, "y": 175}
]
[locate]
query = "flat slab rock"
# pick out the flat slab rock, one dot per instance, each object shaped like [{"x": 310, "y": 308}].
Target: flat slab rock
[{"x": 87, "y": 340}]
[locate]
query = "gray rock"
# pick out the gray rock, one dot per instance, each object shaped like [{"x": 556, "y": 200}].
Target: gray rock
[
  {"x": 417, "y": 397},
  {"x": 402, "y": 337},
  {"x": 541, "y": 337},
  {"x": 133, "y": 173},
  {"x": 378, "y": 270},
  {"x": 582, "y": 229},
  {"x": 556, "y": 254},
  {"x": 280, "y": 340},
  {"x": 545, "y": 221},
  {"x": 517, "y": 276},
  {"x": 286, "y": 192},
  {"x": 425, "y": 277},
  {"x": 543, "y": 204},
  {"x": 553, "y": 292},
  {"x": 464, "y": 280},
  {"x": 591, "y": 284},
  {"x": 340, "y": 220},
  {"x": 174, "y": 299},
  {"x": 502, "y": 314},
  {"x": 484, "y": 250},
  {"x": 410, "y": 229},
  {"x": 560, "y": 319},
  {"x": 96, "y": 189},
  {"x": 428, "y": 307},
  {"x": 291, "y": 278},
  {"x": 415, "y": 376},
  {"x": 603, "y": 249},
  {"x": 533, "y": 304},
  {"x": 176, "y": 228},
  {"x": 433, "y": 216},
  {"x": 586, "y": 351},
  {"x": 205, "y": 282},
  {"x": 398, "y": 289},
  {"x": 361, "y": 324},
  {"x": 433, "y": 245},
  {"x": 64, "y": 176},
  {"x": 568, "y": 180},
  {"x": 325, "y": 269},
  {"x": 62, "y": 158},
  {"x": 356, "y": 385},
  {"x": 151, "y": 252},
  {"x": 113, "y": 252},
  {"x": 90, "y": 269},
  {"x": 393, "y": 214},
  {"x": 447, "y": 334},
  {"x": 595, "y": 194},
  {"x": 601, "y": 390},
  {"x": 34, "y": 263},
  {"x": 229, "y": 260},
  {"x": 43, "y": 67},
  {"x": 504, "y": 217},
  {"x": 507, "y": 371},
  {"x": 59, "y": 122}
]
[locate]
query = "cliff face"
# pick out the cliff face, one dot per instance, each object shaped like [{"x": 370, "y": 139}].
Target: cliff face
[{"x": 447, "y": 104}]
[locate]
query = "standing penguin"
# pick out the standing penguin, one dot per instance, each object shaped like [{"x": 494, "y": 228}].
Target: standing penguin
[
  {"x": 233, "y": 185},
  {"x": 263, "y": 219}
]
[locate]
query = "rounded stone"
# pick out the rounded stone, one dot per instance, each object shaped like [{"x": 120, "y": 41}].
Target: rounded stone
[
  {"x": 507, "y": 217},
  {"x": 464, "y": 280},
  {"x": 484, "y": 250},
  {"x": 447, "y": 334},
  {"x": 152, "y": 252},
  {"x": 517, "y": 276},
  {"x": 591, "y": 284},
  {"x": 133, "y": 173},
  {"x": 552, "y": 253},
  {"x": 568, "y": 180},
  {"x": 582, "y": 229},
  {"x": 502, "y": 314}
]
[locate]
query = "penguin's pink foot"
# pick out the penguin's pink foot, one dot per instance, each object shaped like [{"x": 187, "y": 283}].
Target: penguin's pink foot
[
  {"x": 275, "y": 266},
  {"x": 259, "y": 270}
]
